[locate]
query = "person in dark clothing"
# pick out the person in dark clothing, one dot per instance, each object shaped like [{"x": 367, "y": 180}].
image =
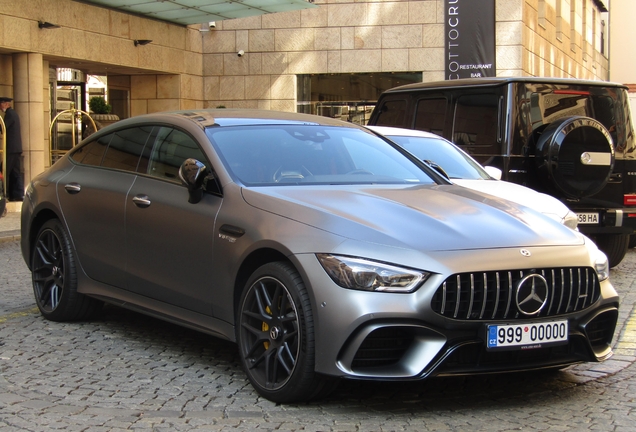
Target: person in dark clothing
[{"x": 13, "y": 171}]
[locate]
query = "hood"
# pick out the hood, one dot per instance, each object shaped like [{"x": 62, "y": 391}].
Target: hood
[
  {"x": 427, "y": 218},
  {"x": 540, "y": 202}
]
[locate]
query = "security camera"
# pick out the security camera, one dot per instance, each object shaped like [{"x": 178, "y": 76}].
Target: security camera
[
  {"x": 212, "y": 24},
  {"x": 240, "y": 53}
]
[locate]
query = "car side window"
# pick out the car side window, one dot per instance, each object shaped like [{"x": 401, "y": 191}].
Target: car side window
[
  {"x": 392, "y": 113},
  {"x": 430, "y": 115},
  {"x": 171, "y": 148},
  {"x": 476, "y": 123},
  {"x": 92, "y": 153},
  {"x": 125, "y": 148}
]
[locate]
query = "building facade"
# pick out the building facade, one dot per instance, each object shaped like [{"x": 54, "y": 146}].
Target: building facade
[{"x": 333, "y": 59}]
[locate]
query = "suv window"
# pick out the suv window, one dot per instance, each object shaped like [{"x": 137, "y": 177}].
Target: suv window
[
  {"x": 430, "y": 115},
  {"x": 476, "y": 123},
  {"x": 602, "y": 104},
  {"x": 392, "y": 113}
]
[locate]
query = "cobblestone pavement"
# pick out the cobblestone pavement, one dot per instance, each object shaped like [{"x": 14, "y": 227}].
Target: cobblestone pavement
[{"x": 127, "y": 371}]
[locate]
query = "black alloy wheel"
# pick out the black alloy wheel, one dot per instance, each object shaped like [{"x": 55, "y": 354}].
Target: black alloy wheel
[
  {"x": 276, "y": 336},
  {"x": 54, "y": 276}
]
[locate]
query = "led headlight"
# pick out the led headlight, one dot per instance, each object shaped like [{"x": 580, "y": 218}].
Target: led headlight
[{"x": 365, "y": 275}]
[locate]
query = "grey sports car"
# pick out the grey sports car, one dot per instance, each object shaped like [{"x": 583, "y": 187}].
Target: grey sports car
[{"x": 322, "y": 249}]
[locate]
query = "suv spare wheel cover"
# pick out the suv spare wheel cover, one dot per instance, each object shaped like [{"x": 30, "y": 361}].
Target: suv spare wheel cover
[{"x": 575, "y": 155}]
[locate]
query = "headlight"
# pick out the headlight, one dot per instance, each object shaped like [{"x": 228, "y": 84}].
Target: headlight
[
  {"x": 365, "y": 275},
  {"x": 571, "y": 220},
  {"x": 602, "y": 266}
]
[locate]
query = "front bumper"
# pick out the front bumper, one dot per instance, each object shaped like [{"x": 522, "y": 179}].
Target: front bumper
[{"x": 367, "y": 335}]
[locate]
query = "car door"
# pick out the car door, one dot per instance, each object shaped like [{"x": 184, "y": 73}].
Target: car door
[
  {"x": 93, "y": 197},
  {"x": 169, "y": 240}
]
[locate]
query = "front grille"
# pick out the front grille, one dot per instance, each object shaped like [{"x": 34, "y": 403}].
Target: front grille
[{"x": 491, "y": 295}]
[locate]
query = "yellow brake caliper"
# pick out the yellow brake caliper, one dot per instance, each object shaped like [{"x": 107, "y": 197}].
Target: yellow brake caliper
[{"x": 265, "y": 327}]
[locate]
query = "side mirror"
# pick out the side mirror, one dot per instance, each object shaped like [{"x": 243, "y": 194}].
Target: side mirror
[
  {"x": 493, "y": 172},
  {"x": 192, "y": 174}
]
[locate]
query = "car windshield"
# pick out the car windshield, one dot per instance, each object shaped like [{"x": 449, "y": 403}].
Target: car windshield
[
  {"x": 311, "y": 154},
  {"x": 456, "y": 163}
]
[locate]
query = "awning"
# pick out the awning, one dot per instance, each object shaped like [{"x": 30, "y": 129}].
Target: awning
[{"x": 200, "y": 11}]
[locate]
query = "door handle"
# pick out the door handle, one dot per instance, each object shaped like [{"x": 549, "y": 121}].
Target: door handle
[
  {"x": 72, "y": 188},
  {"x": 141, "y": 201}
]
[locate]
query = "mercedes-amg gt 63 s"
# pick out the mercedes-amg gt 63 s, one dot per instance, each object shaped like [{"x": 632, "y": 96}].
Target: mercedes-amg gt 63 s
[{"x": 322, "y": 249}]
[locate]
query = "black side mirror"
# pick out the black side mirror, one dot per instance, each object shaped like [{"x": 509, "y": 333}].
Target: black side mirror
[{"x": 192, "y": 174}]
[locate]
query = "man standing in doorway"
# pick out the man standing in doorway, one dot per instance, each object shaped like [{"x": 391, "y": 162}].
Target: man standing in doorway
[{"x": 13, "y": 171}]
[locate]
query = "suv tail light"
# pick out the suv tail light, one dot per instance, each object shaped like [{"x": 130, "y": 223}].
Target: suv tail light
[{"x": 629, "y": 199}]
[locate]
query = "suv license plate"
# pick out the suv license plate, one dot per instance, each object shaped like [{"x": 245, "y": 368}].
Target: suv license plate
[
  {"x": 527, "y": 336},
  {"x": 587, "y": 218}
]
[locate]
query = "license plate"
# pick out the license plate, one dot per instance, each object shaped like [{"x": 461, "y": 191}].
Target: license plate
[
  {"x": 588, "y": 218},
  {"x": 527, "y": 336}
]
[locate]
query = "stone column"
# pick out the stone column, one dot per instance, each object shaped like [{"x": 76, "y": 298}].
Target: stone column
[{"x": 28, "y": 102}]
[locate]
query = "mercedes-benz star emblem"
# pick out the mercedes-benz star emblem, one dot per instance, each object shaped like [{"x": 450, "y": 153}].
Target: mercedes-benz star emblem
[{"x": 532, "y": 294}]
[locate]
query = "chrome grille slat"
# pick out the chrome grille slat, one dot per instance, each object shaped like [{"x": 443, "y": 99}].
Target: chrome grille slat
[
  {"x": 472, "y": 295},
  {"x": 509, "y": 294},
  {"x": 443, "y": 298},
  {"x": 498, "y": 287},
  {"x": 569, "y": 290},
  {"x": 458, "y": 297},
  {"x": 485, "y": 299}
]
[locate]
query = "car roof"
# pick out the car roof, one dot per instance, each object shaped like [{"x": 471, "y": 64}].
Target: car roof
[
  {"x": 479, "y": 82},
  {"x": 389, "y": 130},
  {"x": 220, "y": 117}
]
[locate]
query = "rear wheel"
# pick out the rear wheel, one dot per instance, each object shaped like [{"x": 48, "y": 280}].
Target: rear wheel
[
  {"x": 276, "y": 336},
  {"x": 55, "y": 279},
  {"x": 614, "y": 246}
]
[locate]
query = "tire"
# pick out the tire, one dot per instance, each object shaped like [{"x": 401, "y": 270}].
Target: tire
[
  {"x": 614, "y": 246},
  {"x": 54, "y": 277},
  {"x": 575, "y": 157},
  {"x": 275, "y": 335}
]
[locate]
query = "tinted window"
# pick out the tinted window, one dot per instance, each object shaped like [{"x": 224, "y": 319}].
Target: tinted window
[
  {"x": 391, "y": 113},
  {"x": 92, "y": 153},
  {"x": 171, "y": 148},
  {"x": 125, "y": 148},
  {"x": 476, "y": 123},
  {"x": 431, "y": 115},
  {"x": 606, "y": 104}
]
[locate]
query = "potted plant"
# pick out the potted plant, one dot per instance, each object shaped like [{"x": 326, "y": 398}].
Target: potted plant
[{"x": 101, "y": 111}]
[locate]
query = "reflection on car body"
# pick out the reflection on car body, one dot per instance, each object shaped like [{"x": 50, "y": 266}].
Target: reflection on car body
[
  {"x": 465, "y": 171},
  {"x": 322, "y": 249}
]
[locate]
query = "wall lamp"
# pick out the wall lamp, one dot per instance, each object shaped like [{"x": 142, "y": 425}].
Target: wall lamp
[
  {"x": 142, "y": 41},
  {"x": 47, "y": 25}
]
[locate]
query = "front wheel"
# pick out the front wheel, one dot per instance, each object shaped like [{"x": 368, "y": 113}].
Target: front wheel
[
  {"x": 276, "y": 336},
  {"x": 55, "y": 279}
]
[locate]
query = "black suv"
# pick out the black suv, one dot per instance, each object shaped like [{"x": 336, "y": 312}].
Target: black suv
[{"x": 572, "y": 139}]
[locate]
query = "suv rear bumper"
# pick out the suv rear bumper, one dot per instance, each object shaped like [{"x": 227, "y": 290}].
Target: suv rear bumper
[{"x": 610, "y": 221}]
